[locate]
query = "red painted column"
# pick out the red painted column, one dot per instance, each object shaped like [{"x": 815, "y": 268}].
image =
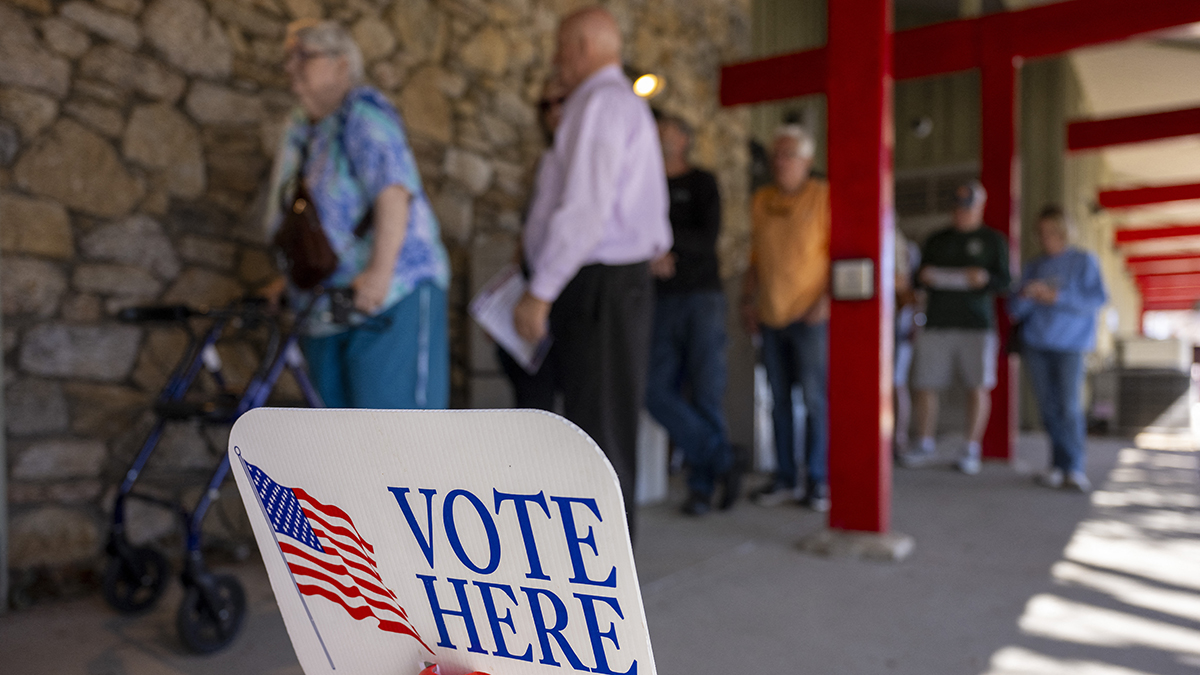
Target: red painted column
[
  {"x": 1001, "y": 176},
  {"x": 860, "y": 332}
]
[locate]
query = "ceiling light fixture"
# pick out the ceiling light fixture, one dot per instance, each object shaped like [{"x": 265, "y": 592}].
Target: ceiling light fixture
[{"x": 647, "y": 85}]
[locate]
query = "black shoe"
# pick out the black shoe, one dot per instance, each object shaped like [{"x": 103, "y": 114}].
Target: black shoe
[
  {"x": 731, "y": 482},
  {"x": 696, "y": 504},
  {"x": 773, "y": 494}
]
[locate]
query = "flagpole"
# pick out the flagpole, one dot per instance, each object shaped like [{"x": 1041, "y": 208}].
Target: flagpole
[{"x": 261, "y": 506}]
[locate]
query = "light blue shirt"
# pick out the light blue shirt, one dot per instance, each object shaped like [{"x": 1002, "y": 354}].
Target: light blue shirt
[
  {"x": 353, "y": 155},
  {"x": 1068, "y": 325},
  {"x": 601, "y": 193}
]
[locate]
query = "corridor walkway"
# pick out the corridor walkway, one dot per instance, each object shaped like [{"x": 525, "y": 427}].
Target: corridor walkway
[{"x": 1006, "y": 579}]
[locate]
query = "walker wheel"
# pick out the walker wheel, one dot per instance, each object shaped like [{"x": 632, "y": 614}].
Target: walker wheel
[
  {"x": 133, "y": 583},
  {"x": 208, "y": 621}
]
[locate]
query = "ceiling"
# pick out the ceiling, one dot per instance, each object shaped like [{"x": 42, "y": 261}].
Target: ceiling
[{"x": 1138, "y": 77}]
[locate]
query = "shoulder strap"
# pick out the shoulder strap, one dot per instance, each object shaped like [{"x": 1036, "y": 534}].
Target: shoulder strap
[{"x": 368, "y": 220}]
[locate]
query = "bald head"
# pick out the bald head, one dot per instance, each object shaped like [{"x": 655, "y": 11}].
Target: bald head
[{"x": 588, "y": 40}]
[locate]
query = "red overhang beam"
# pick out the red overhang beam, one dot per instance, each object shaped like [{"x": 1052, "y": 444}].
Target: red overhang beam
[
  {"x": 1167, "y": 305},
  {"x": 1146, "y": 196},
  {"x": 1092, "y": 134},
  {"x": 758, "y": 81},
  {"x": 1154, "y": 265},
  {"x": 954, "y": 46},
  {"x": 1170, "y": 283},
  {"x": 937, "y": 49},
  {"x": 1189, "y": 295},
  {"x": 1141, "y": 259},
  {"x": 1136, "y": 234},
  {"x": 1171, "y": 302},
  {"x": 1059, "y": 27}
]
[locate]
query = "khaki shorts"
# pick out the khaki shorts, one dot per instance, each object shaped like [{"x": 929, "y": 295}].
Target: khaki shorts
[{"x": 942, "y": 351}]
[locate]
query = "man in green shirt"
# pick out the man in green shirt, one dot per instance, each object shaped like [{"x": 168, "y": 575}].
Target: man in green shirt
[{"x": 963, "y": 267}]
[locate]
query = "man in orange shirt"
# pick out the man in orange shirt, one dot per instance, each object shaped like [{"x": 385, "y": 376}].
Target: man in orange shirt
[{"x": 785, "y": 298}]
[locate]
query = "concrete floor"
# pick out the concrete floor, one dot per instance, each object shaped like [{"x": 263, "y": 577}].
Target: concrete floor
[{"x": 1007, "y": 578}]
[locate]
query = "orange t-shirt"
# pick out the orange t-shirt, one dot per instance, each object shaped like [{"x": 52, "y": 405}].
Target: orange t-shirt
[{"x": 789, "y": 250}]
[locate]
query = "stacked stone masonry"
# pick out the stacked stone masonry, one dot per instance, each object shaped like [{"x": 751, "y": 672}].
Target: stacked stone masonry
[{"x": 136, "y": 139}]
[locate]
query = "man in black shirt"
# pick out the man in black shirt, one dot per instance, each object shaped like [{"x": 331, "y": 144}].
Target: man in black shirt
[
  {"x": 688, "y": 346},
  {"x": 963, "y": 267}
]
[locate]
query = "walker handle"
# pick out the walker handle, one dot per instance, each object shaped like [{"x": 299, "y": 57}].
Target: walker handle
[{"x": 156, "y": 313}]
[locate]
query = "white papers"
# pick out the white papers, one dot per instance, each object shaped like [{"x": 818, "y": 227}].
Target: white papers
[
  {"x": 492, "y": 309},
  {"x": 947, "y": 278}
]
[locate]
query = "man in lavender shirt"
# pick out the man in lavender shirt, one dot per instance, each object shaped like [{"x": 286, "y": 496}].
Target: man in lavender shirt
[{"x": 598, "y": 218}]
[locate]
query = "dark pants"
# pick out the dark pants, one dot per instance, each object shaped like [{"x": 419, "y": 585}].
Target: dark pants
[
  {"x": 799, "y": 354},
  {"x": 601, "y": 326},
  {"x": 1057, "y": 378},
  {"x": 531, "y": 390},
  {"x": 689, "y": 349}
]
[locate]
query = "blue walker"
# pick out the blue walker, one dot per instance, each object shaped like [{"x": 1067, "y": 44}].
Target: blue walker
[{"x": 135, "y": 577}]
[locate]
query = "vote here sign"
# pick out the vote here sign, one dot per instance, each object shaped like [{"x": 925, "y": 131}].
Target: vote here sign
[{"x": 489, "y": 541}]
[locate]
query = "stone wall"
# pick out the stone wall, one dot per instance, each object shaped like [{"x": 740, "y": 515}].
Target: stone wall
[{"x": 135, "y": 141}]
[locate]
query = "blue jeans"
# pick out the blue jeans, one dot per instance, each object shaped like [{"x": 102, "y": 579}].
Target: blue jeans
[
  {"x": 799, "y": 354},
  {"x": 1057, "y": 378},
  {"x": 688, "y": 346},
  {"x": 398, "y": 359}
]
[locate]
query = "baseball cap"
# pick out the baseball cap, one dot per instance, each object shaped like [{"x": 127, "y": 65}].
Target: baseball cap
[{"x": 969, "y": 194}]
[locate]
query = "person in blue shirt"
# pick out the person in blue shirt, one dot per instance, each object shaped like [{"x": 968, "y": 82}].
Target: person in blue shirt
[
  {"x": 1060, "y": 293},
  {"x": 347, "y": 143}
]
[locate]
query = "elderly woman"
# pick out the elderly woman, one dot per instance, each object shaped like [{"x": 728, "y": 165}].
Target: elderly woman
[
  {"x": 347, "y": 144},
  {"x": 1061, "y": 290}
]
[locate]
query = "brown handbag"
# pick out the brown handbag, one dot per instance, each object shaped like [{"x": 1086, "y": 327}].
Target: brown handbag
[{"x": 301, "y": 239}]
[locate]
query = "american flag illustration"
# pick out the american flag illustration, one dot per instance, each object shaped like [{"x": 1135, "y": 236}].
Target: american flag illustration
[{"x": 328, "y": 557}]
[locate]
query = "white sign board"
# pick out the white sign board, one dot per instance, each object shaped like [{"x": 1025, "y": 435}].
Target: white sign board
[{"x": 490, "y": 541}]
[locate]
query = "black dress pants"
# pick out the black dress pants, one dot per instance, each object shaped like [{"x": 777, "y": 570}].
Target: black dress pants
[
  {"x": 534, "y": 391},
  {"x": 601, "y": 324}
]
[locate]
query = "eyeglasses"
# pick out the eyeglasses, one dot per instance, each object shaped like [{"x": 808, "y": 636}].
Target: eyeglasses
[
  {"x": 546, "y": 104},
  {"x": 304, "y": 56}
]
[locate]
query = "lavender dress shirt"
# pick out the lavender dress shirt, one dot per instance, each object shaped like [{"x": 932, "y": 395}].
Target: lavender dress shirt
[{"x": 601, "y": 194}]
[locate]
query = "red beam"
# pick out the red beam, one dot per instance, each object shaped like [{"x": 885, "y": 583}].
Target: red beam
[
  {"x": 1167, "y": 305},
  {"x": 1091, "y": 134},
  {"x": 1169, "y": 282},
  {"x": 1145, "y": 196},
  {"x": 1172, "y": 295},
  {"x": 1180, "y": 293},
  {"x": 758, "y": 81},
  {"x": 955, "y": 46},
  {"x": 1153, "y": 265},
  {"x": 1143, "y": 259},
  {"x": 1059, "y": 27},
  {"x": 938, "y": 49},
  {"x": 861, "y": 331},
  {"x": 1000, "y": 174},
  {"x": 1136, "y": 234}
]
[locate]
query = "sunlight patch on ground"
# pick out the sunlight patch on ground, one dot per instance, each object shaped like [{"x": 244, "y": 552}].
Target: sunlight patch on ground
[
  {"x": 1130, "y": 591},
  {"x": 1140, "y": 551},
  {"x": 1166, "y": 441},
  {"x": 1020, "y": 661},
  {"x": 1057, "y": 618}
]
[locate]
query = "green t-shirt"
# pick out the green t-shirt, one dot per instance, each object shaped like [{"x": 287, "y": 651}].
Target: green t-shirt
[{"x": 983, "y": 247}]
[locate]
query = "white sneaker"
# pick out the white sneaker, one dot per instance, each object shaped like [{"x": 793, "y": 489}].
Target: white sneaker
[
  {"x": 1051, "y": 479},
  {"x": 1078, "y": 481},
  {"x": 913, "y": 460},
  {"x": 969, "y": 465},
  {"x": 920, "y": 456}
]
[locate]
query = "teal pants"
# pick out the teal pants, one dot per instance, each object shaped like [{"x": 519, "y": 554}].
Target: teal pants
[{"x": 400, "y": 359}]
